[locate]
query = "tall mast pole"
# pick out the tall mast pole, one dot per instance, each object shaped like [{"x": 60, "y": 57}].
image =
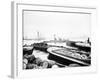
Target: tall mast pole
[{"x": 38, "y": 35}]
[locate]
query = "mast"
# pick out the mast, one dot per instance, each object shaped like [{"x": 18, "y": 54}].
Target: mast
[{"x": 38, "y": 35}]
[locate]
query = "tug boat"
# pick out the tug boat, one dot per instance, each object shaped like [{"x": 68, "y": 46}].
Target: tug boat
[
  {"x": 80, "y": 45},
  {"x": 83, "y": 46}
]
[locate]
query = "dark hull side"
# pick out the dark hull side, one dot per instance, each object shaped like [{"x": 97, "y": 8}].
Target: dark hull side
[
  {"x": 63, "y": 61},
  {"x": 40, "y": 46},
  {"x": 28, "y": 52}
]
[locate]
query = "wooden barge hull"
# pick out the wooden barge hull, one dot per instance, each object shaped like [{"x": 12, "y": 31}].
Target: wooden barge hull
[{"x": 67, "y": 60}]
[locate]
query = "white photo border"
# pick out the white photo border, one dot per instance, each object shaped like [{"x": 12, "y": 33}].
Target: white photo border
[{"x": 17, "y": 24}]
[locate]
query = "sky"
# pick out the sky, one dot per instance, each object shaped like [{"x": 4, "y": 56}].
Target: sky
[{"x": 62, "y": 25}]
